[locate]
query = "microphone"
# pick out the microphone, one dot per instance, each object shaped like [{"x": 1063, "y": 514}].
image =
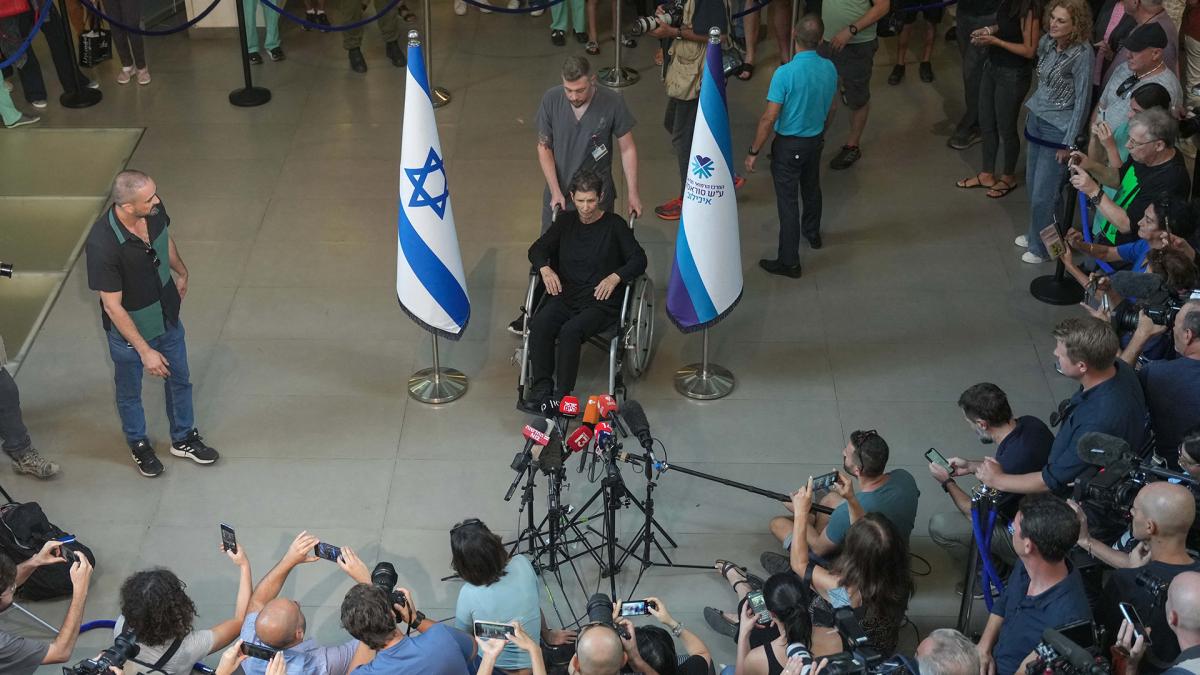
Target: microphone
[
  {"x": 1146, "y": 287},
  {"x": 533, "y": 435},
  {"x": 568, "y": 406},
  {"x": 635, "y": 417},
  {"x": 551, "y": 458},
  {"x": 1077, "y": 656},
  {"x": 1100, "y": 449},
  {"x": 606, "y": 405},
  {"x": 604, "y": 435},
  {"x": 591, "y": 414},
  {"x": 579, "y": 439}
]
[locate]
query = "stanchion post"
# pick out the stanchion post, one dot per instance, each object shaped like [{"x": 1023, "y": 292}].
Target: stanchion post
[
  {"x": 249, "y": 95},
  {"x": 617, "y": 76},
  {"x": 1058, "y": 288},
  {"x": 704, "y": 381},
  {"x": 439, "y": 95},
  {"x": 75, "y": 94},
  {"x": 437, "y": 384}
]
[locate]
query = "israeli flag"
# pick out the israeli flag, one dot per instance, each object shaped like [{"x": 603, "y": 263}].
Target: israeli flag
[
  {"x": 706, "y": 276},
  {"x": 430, "y": 283}
]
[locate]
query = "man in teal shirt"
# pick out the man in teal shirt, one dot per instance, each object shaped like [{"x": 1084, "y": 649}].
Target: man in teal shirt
[{"x": 799, "y": 105}]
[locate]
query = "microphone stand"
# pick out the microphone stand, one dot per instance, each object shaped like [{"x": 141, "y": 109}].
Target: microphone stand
[{"x": 663, "y": 467}]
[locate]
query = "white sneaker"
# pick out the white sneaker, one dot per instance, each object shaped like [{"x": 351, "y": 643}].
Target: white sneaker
[
  {"x": 460, "y": 7},
  {"x": 124, "y": 76},
  {"x": 1032, "y": 258},
  {"x": 1021, "y": 241},
  {"x": 143, "y": 76},
  {"x": 514, "y": 4},
  {"x": 24, "y": 120},
  {"x": 40, "y": 105},
  {"x": 537, "y": 12}
]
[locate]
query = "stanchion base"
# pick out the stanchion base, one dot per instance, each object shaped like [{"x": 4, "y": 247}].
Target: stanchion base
[
  {"x": 440, "y": 96},
  {"x": 83, "y": 98},
  {"x": 693, "y": 382},
  {"x": 1051, "y": 291},
  {"x": 449, "y": 385},
  {"x": 248, "y": 97},
  {"x": 612, "y": 77}
]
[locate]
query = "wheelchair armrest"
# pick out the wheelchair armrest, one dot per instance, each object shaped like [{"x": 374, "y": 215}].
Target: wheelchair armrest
[{"x": 625, "y": 303}]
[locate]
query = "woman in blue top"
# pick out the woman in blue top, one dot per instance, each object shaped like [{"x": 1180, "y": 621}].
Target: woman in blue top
[
  {"x": 499, "y": 589},
  {"x": 1165, "y": 215}
]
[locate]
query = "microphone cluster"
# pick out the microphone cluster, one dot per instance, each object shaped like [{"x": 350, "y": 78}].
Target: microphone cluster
[{"x": 601, "y": 423}]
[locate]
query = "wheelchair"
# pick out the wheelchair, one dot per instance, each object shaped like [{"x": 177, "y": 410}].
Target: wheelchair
[{"x": 629, "y": 341}]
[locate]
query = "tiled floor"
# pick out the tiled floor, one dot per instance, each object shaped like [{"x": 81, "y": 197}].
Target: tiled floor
[{"x": 286, "y": 217}]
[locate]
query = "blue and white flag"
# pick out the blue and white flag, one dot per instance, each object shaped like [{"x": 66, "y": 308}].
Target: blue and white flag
[
  {"x": 706, "y": 276},
  {"x": 430, "y": 283}
]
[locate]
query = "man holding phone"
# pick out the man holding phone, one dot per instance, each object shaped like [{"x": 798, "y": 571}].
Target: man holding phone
[
  {"x": 1182, "y": 613},
  {"x": 22, "y": 656}
]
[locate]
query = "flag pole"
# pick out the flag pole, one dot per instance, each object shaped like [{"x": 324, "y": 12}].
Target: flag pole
[
  {"x": 437, "y": 384},
  {"x": 704, "y": 381},
  {"x": 439, "y": 95}
]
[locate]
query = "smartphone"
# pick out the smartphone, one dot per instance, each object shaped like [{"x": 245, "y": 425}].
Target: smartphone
[
  {"x": 934, "y": 457},
  {"x": 1131, "y": 615},
  {"x": 258, "y": 651},
  {"x": 1082, "y": 633},
  {"x": 759, "y": 606},
  {"x": 327, "y": 551},
  {"x": 492, "y": 630},
  {"x": 637, "y": 607},
  {"x": 67, "y": 551},
  {"x": 825, "y": 481},
  {"x": 228, "y": 538}
]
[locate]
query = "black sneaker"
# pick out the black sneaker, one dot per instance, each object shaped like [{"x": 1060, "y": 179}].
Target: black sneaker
[
  {"x": 276, "y": 54},
  {"x": 395, "y": 54},
  {"x": 322, "y": 18},
  {"x": 357, "y": 63},
  {"x": 925, "y": 70},
  {"x": 558, "y": 38},
  {"x": 963, "y": 141},
  {"x": 776, "y": 267},
  {"x": 897, "y": 75},
  {"x": 147, "y": 462},
  {"x": 581, "y": 38},
  {"x": 195, "y": 449},
  {"x": 814, "y": 241},
  {"x": 517, "y": 326},
  {"x": 311, "y": 17},
  {"x": 775, "y": 563},
  {"x": 846, "y": 157},
  {"x": 255, "y": 58}
]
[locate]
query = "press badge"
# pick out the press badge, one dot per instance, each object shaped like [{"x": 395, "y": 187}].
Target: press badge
[{"x": 599, "y": 151}]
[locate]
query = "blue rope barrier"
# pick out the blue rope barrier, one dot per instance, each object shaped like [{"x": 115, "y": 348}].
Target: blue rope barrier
[
  {"x": 333, "y": 29},
  {"x": 756, "y": 8},
  {"x": 1043, "y": 142},
  {"x": 151, "y": 33},
  {"x": 37, "y": 26},
  {"x": 519, "y": 10},
  {"x": 983, "y": 541},
  {"x": 1087, "y": 230}
]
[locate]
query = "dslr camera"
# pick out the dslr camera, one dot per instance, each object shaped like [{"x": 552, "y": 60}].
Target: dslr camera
[
  {"x": 385, "y": 577},
  {"x": 600, "y": 610},
  {"x": 1125, "y": 318},
  {"x": 1059, "y": 654},
  {"x": 124, "y": 647},
  {"x": 672, "y": 15}
]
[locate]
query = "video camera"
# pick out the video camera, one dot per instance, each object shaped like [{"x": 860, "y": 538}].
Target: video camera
[
  {"x": 124, "y": 647},
  {"x": 859, "y": 657},
  {"x": 385, "y": 577},
  {"x": 1060, "y": 655},
  {"x": 673, "y": 11},
  {"x": 1153, "y": 297}
]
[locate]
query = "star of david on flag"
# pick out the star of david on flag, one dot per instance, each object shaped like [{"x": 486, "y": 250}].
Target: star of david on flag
[{"x": 430, "y": 283}]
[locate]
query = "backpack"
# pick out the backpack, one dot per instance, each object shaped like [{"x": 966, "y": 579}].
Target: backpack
[{"x": 24, "y": 529}]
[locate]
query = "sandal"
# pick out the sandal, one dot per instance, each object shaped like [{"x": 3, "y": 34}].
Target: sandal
[
  {"x": 716, "y": 620},
  {"x": 966, "y": 183},
  {"x": 754, "y": 582},
  {"x": 592, "y": 48},
  {"x": 747, "y": 72},
  {"x": 407, "y": 14},
  {"x": 1000, "y": 189}
]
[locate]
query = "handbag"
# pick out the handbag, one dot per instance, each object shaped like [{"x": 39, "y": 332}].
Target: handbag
[
  {"x": 14, "y": 8},
  {"x": 682, "y": 79},
  {"x": 95, "y": 44}
]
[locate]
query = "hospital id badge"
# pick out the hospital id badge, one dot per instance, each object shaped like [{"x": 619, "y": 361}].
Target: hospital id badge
[{"x": 599, "y": 152}]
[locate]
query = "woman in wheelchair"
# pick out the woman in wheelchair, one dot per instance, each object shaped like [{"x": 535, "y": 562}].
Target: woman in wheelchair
[{"x": 584, "y": 260}]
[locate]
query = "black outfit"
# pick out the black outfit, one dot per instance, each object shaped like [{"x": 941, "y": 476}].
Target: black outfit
[
  {"x": 582, "y": 256},
  {"x": 1005, "y": 80},
  {"x": 693, "y": 665},
  {"x": 971, "y": 16},
  {"x": 1122, "y": 587},
  {"x": 796, "y": 172},
  {"x": 1024, "y": 450},
  {"x": 1170, "y": 178},
  {"x": 1187, "y": 663}
]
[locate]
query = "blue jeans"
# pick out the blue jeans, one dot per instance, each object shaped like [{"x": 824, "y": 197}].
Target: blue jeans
[
  {"x": 1043, "y": 178},
  {"x": 128, "y": 376}
]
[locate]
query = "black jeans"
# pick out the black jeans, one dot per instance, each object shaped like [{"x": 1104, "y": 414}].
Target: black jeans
[
  {"x": 56, "y": 34},
  {"x": 680, "y": 122},
  {"x": 972, "y": 66},
  {"x": 13, "y": 433},
  {"x": 1001, "y": 92},
  {"x": 796, "y": 170},
  {"x": 571, "y": 327}
]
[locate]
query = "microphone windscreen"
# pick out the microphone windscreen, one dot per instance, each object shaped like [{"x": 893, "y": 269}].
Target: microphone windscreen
[
  {"x": 552, "y": 455},
  {"x": 1144, "y": 286},
  {"x": 1100, "y": 449},
  {"x": 1077, "y": 656},
  {"x": 591, "y": 414},
  {"x": 635, "y": 417}
]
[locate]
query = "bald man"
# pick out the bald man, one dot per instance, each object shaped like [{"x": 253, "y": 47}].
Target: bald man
[
  {"x": 1162, "y": 514},
  {"x": 1182, "y": 616},
  {"x": 598, "y": 651}
]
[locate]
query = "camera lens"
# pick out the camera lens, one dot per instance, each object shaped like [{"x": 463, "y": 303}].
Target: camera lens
[
  {"x": 599, "y": 609},
  {"x": 384, "y": 576}
]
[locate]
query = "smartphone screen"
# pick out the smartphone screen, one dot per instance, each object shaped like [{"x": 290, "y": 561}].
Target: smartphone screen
[
  {"x": 1130, "y": 613},
  {"x": 825, "y": 481},
  {"x": 258, "y": 651},
  {"x": 67, "y": 551},
  {"x": 935, "y": 457},
  {"x": 327, "y": 551},
  {"x": 228, "y": 538},
  {"x": 1082, "y": 634},
  {"x": 759, "y": 606},
  {"x": 636, "y": 608},
  {"x": 492, "y": 630}
]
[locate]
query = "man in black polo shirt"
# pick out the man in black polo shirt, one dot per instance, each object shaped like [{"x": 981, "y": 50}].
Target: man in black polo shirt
[
  {"x": 1182, "y": 612},
  {"x": 130, "y": 257}
]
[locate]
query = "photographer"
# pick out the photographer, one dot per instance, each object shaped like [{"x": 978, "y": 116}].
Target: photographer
[
  {"x": 498, "y": 588},
  {"x": 599, "y": 651},
  {"x": 1172, "y": 386},
  {"x": 1182, "y": 613},
  {"x": 1042, "y": 592},
  {"x": 22, "y": 656},
  {"x": 893, "y": 493},
  {"x": 1022, "y": 446},
  {"x": 947, "y": 652},
  {"x": 14, "y": 437},
  {"x": 280, "y": 624},
  {"x": 651, "y": 650},
  {"x": 1109, "y": 400},
  {"x": 1162, "y": 513},
  {"x": 871, "y": 575},
  {"x": 369, "y": 615},
  {"x": 684, "y": 68},
  {"x": 156, "y": 607}
]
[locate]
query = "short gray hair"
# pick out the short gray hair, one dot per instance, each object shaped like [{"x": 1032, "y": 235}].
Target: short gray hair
[
  {"x": 127, "y": 184},
  {"x": 1189, "y": 317},
  {"x": 950, "y": 653},
  {"x": 1159, "y": 124},
  {"x": 575, "y": 67},
  {"x": 809, "y": 30}
]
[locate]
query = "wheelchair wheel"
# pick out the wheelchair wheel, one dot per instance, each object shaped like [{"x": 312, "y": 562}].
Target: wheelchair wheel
[{"x": 639, "y": 332}]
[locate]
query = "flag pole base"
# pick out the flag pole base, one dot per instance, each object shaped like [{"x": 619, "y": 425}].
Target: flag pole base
[
  {"x": 249, "y": 97},
  {"x": 431, "y": 386},
  {"x": 1053, "y": 290},
  {"x": 704, "y": 383},
  {"x": 440, "y": 96},
  {"x": 618, "y": 77}
]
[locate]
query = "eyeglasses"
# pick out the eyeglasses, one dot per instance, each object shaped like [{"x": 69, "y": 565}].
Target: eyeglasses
[
  {"x": 153, "y": 256},
  {"x": 1126, "y": 86},
  {"x": 465, "y": 523},
  {"x": 1137, "y": 144}
]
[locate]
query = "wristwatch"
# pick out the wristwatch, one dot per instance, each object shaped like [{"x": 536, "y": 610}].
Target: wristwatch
[
  {"x": 1094, "y": 200},
  {"x": 853, "y": 29},
  {"x": 752, "y": 152},
  {"x": 677, "y": 629},
  {"x": 945, "y": 485}
]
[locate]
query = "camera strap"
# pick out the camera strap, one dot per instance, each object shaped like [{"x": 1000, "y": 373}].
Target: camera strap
[{"x": 158, "y": 665}]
